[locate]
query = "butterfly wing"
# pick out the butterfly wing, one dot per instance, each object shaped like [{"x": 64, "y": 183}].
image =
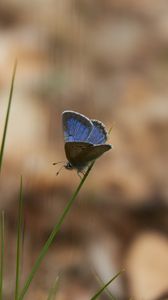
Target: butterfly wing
[
  {"x": 96, "y": 151},
  {"x": 75, "y": 152},
  {"x": 76, "y": 126},
  {"x": 98, "y": 134},
  {"x": 84, "y": 139},
  {"x": 80, "y": 153}
]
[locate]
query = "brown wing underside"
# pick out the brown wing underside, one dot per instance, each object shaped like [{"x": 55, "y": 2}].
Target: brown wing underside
[{"x": 80, "y": 153}]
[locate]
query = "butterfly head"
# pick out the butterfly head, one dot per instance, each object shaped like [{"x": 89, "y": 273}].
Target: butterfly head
[{"x": 68, "y": 166}]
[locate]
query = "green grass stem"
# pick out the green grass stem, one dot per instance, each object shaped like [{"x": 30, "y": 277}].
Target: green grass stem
[
  {"x": 52, "y": 236},
  {"x": 100, "y": 281},
  {"x": 7, "y": 115},
  {"x": 2, "y": 226},
  {"x": 19, "y": 239},
  {"x": 105, "y": 286},
  {"x": 53, "y": 290}
]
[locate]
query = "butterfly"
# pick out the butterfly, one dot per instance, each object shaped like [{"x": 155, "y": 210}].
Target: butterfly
[{"x": 85, "y": 140}]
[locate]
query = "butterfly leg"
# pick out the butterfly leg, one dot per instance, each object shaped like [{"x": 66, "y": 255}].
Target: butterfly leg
[
  {"x": 79, "y": 175},
  {"x": 80, "y": 172}
]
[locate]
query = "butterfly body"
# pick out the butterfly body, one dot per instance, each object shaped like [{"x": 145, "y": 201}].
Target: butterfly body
[{"x": 85, "y": 140}]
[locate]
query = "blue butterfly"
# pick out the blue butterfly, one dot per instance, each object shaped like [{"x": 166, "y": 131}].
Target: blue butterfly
[{"x": 85, "y": 140}]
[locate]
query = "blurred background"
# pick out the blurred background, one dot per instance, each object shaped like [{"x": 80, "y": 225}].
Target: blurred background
[{"x": 107, "y": 59}]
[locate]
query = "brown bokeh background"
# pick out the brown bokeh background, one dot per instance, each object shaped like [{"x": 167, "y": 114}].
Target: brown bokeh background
[{"x": 107, "y": 59}]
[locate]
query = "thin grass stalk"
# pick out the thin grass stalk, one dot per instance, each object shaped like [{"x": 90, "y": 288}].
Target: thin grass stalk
[
  {"x": 53, "y": 235},
  {"x": 53, "y": 290},
  {"x": 100, "y": 281},
  {"x": 19, "y": 239},
  {"x": 2, "y": 238},
  {"x": 105, "y": 286},
  {"x": 7, "y": 115}
]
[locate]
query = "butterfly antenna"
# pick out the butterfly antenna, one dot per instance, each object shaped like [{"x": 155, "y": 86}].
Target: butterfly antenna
[
  {"x": 110, "y": 130},
  {"x": 59, "y": 162},
  {"x": 59, "y": 170}
]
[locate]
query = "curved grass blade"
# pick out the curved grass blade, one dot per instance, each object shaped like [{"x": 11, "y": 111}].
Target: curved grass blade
[
  {"x": 53, "y": 235},
  {"x": 7, "y": 115},
  {"x": 19, "y": 239},
  {"x": 100, "y": 281},
  {"x": 105, "y": 286},
  {"x": 54, "y": 289},
  {"x": 2, "y": 226}
]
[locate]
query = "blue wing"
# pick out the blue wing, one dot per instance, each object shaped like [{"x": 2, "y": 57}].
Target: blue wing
[
  {"x": 98, "y": 134},
  {"x": 77, "y": 127}
]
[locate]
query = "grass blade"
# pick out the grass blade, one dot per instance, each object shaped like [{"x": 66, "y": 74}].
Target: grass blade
[
  {"x": 2, "y": 226},
  {"x": 53, "y": 235},
  {"x": 19, "y": 239},
  {"x": 53, "y": 290},
  {"x": 105, "y": 286},
  {"x": 100, "y": 281},
  {"x": 7, "y": 115}
]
